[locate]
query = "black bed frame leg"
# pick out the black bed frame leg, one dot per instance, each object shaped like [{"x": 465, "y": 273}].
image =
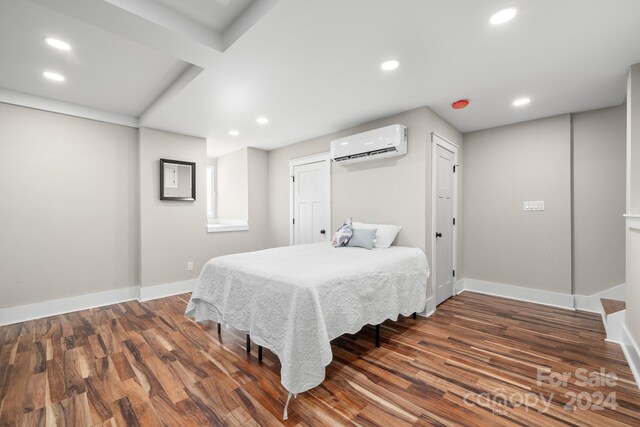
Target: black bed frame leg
[
  {"x": 260, "y": 353},
  {"x": 248, "y": 344},
  {"x": 415, "y": 315},
  {"x": 219, "y": 329},
  {"x": 377, "y": 335}
]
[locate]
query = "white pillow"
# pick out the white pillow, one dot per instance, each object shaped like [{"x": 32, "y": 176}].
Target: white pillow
[{"x": 385, "y": 235}]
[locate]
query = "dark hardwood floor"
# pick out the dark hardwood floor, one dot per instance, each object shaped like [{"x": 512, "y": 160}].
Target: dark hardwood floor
[{"x": 475, "y": 362}]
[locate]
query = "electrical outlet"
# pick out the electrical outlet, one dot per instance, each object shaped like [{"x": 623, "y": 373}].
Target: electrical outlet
[{"x": 190, "y": 266}]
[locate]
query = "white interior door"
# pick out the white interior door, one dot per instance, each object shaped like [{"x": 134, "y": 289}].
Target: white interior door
[
  {"x": 444, "y": 223},
  {"x": 311, "y": 202}
]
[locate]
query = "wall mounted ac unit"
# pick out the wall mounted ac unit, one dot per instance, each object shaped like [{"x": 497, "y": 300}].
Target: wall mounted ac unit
[{"x": 389, "y": 141}]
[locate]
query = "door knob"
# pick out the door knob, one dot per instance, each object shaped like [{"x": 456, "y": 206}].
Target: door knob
[
  {"x": 438, "y": 234},
  {"x": 322, "y": 232}
]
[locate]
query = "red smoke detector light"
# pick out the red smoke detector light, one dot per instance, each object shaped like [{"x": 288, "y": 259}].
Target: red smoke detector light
[{"x": 459, "y": 105}]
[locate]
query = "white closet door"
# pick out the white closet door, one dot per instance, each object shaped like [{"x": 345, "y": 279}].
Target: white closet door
[{"x": 311, "y": 203}]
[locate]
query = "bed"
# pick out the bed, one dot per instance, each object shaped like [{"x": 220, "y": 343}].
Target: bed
[{"x": 294, "y": 300}]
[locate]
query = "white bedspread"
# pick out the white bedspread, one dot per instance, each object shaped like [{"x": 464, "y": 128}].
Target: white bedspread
[{"x": 294, "y": 300}]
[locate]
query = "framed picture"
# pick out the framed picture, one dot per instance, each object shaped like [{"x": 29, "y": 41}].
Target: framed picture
[{"x": 177, "y": 180}]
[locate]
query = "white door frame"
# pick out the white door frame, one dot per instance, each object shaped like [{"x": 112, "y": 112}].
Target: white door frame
[
  {"x": 315, "y": 158},
  {"x": 437, "y": 140}
]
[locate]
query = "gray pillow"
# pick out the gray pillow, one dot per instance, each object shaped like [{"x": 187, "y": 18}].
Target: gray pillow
[
  {"x": 343, "y": 234},
  {"x": 363, "y": 237}
]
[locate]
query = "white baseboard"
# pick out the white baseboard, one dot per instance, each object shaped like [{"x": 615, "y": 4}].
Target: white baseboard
[
  {"x": 592, "y": 302},
  {"x": 55, "y": 307},
  {"x": 520, "y": 293},
  {"x": 613, "y": 324},
  {"x": 430, "y": 307},
  {"x": 37, "y": 310},
  {"x": 165, "y": 290},
  {"x": 631, "y": 353},
  {"x": 589, "y": 303}
]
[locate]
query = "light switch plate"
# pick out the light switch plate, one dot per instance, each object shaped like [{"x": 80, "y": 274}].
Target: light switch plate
[{"x": 533, "y": 205}]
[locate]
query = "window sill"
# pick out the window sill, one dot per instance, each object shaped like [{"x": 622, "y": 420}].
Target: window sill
[
  {"x": 224, "y": 225},
  {"x": 633, "y": 221}
]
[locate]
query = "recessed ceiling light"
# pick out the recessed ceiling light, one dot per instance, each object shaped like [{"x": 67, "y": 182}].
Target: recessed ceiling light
[
  {"x": 53, "y": 76},
  {"x": 58, "y": 44},
  {"x": 503, "y": 16},
  {"x": 390, "y": 65},
  {"x": 262, "y": 120},
  {"x": 521, "y": 101},
  {"x": 234, "y": 132}
]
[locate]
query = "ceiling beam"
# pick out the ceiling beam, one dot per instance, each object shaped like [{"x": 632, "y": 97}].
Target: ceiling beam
[
  {"x": 155, "y": 27},
  {"x": 174, "y": 88},
  {"x": 162, "y": 29},
  {"x": 246, "y": 21},
  {"x": 55, "y": 106},
  {"x": 168, "y": 18}
]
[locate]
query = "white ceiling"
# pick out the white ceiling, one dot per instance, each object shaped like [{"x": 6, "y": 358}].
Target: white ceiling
[
  {"x": 312, "y": 67},
  {"x": 102, "y": 71}
]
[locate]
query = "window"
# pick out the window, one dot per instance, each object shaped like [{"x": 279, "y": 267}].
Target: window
[
  {"x": 214, "y": 223},
  {"x": 211, "y": 192}
]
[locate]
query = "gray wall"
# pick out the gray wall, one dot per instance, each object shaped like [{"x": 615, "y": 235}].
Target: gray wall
[
  {"x": 395, "y": 190},
  {"x": 69, "y": 210},
  {"x": 504, "y": 167},
  {"x": 533, "y": 161},
  {"x": 86, "y": 215},
  {"x": 174, "y": 233},
  {"x": 632, "y": 319},
  {"x": 599, "y": 174}
]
